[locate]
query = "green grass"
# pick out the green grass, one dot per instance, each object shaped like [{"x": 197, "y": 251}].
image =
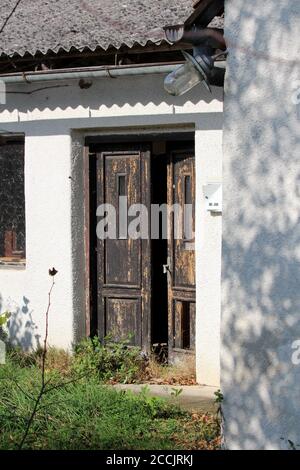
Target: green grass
[{"x": 88, "y": 415}]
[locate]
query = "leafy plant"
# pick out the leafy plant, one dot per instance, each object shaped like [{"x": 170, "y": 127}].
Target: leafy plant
[
  {"x": 219, "y": 397},
  {"x": 112, "y": 362},
  {"x": 220, "y": 415},
  {"x": 4, "y": 317},
  {"x": 176, "y": 392}
]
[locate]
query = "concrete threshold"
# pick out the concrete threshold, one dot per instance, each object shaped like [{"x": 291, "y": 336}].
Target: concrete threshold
[{"x": 193, "y": 398}]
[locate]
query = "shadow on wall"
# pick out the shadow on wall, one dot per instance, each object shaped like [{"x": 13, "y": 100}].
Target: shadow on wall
[
  {"x": 261, "y": 228},
  {"x": 21, "y": 328},
  {"x": 105, "y": 93}
]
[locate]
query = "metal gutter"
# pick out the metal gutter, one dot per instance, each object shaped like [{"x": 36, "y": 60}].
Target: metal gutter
[
  {"x": 92, "y": 72},
  {"x": 88, "y": 72}
]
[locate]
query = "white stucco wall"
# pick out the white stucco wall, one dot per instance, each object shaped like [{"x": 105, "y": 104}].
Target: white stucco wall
[
  {"x": 54, "y": 122},
  {"x": 261, "y": 269}
]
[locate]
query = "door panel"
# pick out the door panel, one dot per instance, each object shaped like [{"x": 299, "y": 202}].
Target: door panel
[
  {"x": 183, "y": 193},
  {"x": 123, "y": 264},
  {"x": 181, "y": 254},
  {"x": 122, "y": 316},
  {"x": 122, "y": 256}
]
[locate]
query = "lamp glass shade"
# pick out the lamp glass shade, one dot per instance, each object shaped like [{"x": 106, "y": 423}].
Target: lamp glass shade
[{"x": 182, "y": 79}]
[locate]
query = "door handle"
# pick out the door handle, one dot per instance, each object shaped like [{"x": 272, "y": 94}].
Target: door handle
[{"x": 166, "y": 269}]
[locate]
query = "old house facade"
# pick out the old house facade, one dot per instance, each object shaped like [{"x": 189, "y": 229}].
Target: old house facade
[{"x": 86, "y": 121}]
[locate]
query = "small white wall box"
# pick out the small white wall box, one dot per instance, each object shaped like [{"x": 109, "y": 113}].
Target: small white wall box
[{"x": 213, "y": 197}]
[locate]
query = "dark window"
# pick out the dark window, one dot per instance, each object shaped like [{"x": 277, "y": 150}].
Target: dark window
[
  {"x": 182, "y": 325},
  {"x": 12, "y": 199},
  {"x": 188, "y": 210},
  {"x": 122, "y": 185},
  {"x": 187, "y": 190}
]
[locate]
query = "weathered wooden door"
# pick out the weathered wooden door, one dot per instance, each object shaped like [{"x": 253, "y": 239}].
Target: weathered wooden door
[
  {"x": 123, "y": 263},
  {"x": 181, "y": 255}
]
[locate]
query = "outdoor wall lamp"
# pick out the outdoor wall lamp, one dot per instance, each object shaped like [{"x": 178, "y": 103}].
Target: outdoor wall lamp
[{"x": 199, "y": 67}]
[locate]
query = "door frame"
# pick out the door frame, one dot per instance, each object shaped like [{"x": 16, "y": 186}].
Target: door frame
[{"x": 179, "y": 134}]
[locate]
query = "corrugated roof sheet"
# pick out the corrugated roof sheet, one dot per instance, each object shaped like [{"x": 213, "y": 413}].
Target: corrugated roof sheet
[{"x": 54, "y": 25}]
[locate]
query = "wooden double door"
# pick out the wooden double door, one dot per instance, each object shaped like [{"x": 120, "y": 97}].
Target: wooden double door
[{"x": 125, "y": 269}]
